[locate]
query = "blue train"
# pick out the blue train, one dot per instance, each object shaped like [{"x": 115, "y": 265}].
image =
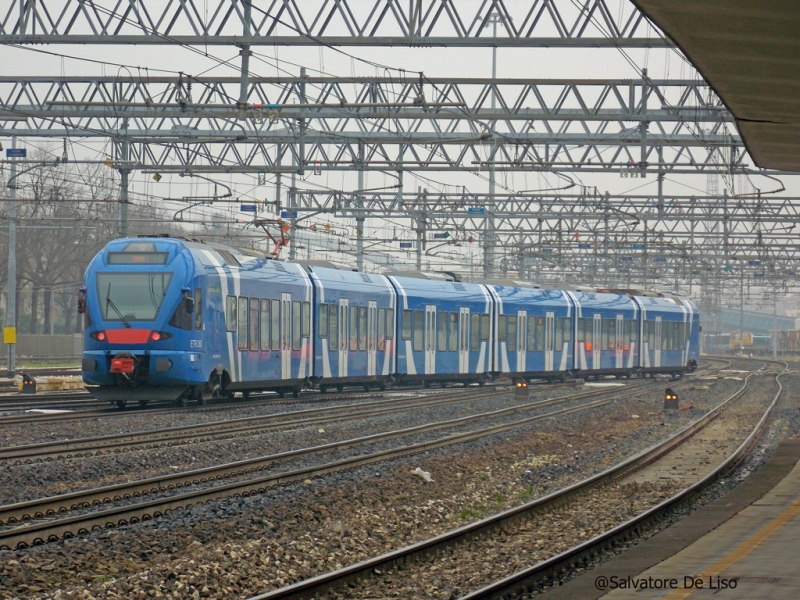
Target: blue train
[{"x": 178, "y": 320}]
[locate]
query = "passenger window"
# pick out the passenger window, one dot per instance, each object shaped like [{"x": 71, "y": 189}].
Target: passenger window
[
  {"x": 306, "y": 319},
  {"x": 559, "y": 333},
  {"x": 296, "y": 331},
  {"x": 389, "y": 323},
  {"x": 242, "y": 323},
  {"x": 254, "y": 327},
  {"x": 539, "y": 334},
  {"x": 381, "y": 329},
  {"x": 581, "y": 330},
  {"x": 419, "y": 330},
  {"x": 275, "y": 316},
  {"x": 651, "y": 335},
  {"x": 441, "y": 345},
  {"x": 362, "y": 327},
  {"x": 452, "y": 344},
  {"x": 354, "y": 328},
  {"x": 475, "y": 334},
  {"x": 264, "y": 320},
  {"x": 612, "y": 334},
  {"x": 333, "y": 328},
  {"x": 406, "y": 326},
  {"x": 511, "y": 339},
  {"x": 323, "y": 320},
  {"x": 501, "y": 328},
  {"x": 531, "y": 334},
  {"x": 198, "y": 309},
  {"x": 485, "y": 329},
  {"x": 604, "y": 333},
  {"x": 230, "y": 313},
  {"x": 181, "y": 318},
  {"x": 567, "y": 329}
]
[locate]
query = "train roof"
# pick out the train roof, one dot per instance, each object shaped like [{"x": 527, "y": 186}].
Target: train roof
[{"x": 350, "y": 280}]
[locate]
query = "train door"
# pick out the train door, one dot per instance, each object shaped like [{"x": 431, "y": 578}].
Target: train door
[
  {"x": 548, "y": 341},
  {"x": 430, "y": 339},
  {"x": 657, "y": 348},
  {"x": 522, "y": 330},
  {"x": 597, "y": 341},
  {"x": 344, "y": 329},
  {"x": 619, "y": 344},
  {"x": 372, "y": 342},
  {"x": 286, "y": 336},
  {"x": 463, "y": 336}
]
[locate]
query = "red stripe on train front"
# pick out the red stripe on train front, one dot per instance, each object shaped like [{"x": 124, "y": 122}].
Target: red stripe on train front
[{"x": 128, "y": 336}]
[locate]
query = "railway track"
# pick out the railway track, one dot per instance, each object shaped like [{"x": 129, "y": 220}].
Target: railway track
[
  {"x": 52, "y": 529},
  {"x": 580, "y": 556}
]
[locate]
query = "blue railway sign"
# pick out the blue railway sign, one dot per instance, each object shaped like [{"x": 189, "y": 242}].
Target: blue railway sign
[
  {"x": 247, "y": 208},
  {"x": 288, "y": 214},
  {"x": 16, "y": 152},
  {"x": 476, "y": 210}
]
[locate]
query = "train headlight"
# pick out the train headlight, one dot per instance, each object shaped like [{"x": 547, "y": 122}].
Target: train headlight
[
  {"x": 159, "y": 336},
  {"x": 99, "y": 336}
]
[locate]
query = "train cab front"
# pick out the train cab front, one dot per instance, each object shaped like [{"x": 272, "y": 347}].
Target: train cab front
[{"x": 140, "y": 337}]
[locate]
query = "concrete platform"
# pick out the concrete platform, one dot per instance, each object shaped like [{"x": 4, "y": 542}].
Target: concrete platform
[{"x": 752, "y": 535}]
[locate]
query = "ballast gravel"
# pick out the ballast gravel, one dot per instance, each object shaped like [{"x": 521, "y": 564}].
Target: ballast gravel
[{"x": 241, "y": 546}]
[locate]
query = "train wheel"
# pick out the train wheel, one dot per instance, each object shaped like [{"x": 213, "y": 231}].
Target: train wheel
[
  {"x": 339, "y": 388},
  {"x": 143, "y": 403},
  {"x": 323, "y": 389},
  {"x": 203, "y": 394},
  {"x": 426, "y": 384},
  {"x": 295, "y": 392},
  {"x": 120, "y": 403},
  {"x": 281, "y": 393},
  {"x": 382, "y": 386},
  {"x": 182, "y": 401},
  {"x": 246, "y": 395},
  {"x": 367, "y": 387}
]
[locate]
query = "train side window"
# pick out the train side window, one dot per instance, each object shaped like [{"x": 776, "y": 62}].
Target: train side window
[
  {"x": 198, "y": 309},
  {"x": 333, "y": 328},
  {"x": 452, "y": 344},
  {"x": 381, "y": 329},
  {"x": 275, "y": 322},
  {"x": 323, "y": 321},
  {"x": 626, "y": 338},
  {"x": 405, "y": 326},
  {"x": 568, "y": 329},
  {"x": 230, "y": 313},
  {"x": 581, "y": 333},
  {"x": 354, "y": 328},
  {"x": 475, "y": 334},
  {"x": 441, "y": 333},
  {"x": 651, "y": 335},
  {"x": 531, "y": 334},
  {"x": 254, "y": 326},
  {"x": 264, "y": 321},
  {"x": 540, "y": 334},
  {"x": 485, "y": 329},
  {"x": 666, "y": 335},
  {"x": 612, "y": 334},
  {"x": 306, "y": 319},
  {"x": 419, "y": 330},
  {"x": 296, "y": 330},
  {"x": 501, "y": 328},
  {"x": 559, "y": 333},
  {"x": 241, "y": 317},
  {"x": 180, "y": 318},
  {"x": 604, "y": 334},
  {"x": 389, "y": 323},
  {"x": 362, "y": 327},
  {"x": 511, "y": 333}
]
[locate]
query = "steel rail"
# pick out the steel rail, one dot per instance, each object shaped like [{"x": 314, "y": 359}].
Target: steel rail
[
  {"x": 352, "y": 573},
  {"x": 37, "y": 533},
  {"x": 174, "y": 435},
  {"x": 584, "y": 552}
]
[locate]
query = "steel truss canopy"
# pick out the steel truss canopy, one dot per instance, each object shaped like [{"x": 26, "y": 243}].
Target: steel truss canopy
[
  {"x": 539, "y": 23},
  {"x": 383, "y": 123},
  {"x": 749, "y": 51}
]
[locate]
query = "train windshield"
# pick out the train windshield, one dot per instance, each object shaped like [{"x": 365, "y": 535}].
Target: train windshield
[{"x": 131, "y": 296}]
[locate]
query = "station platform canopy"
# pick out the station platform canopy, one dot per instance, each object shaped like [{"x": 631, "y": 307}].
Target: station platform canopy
[{"x": 749, "y": 52}]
